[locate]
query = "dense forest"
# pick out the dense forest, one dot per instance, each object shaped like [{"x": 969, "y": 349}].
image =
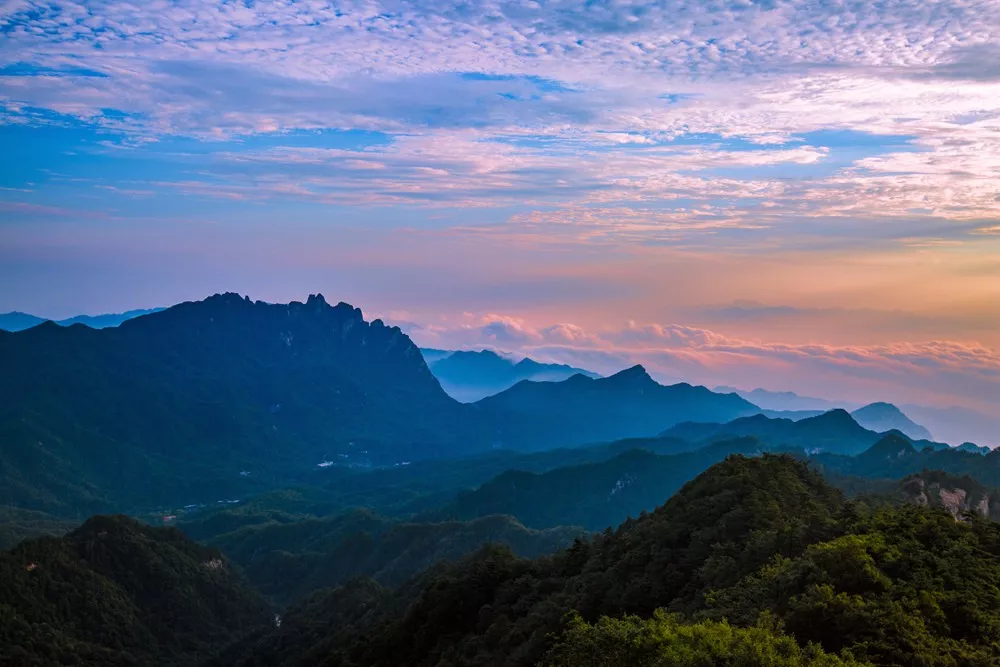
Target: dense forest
[
  {"x": 116, "y": 592},
  {"x": 760, "y": 545}
]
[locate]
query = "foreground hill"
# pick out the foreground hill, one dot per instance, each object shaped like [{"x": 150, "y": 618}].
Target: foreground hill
[
  {"x": 583, "y": 409},
  {"x": 114, "y": 592},
  {"x": 755, "y": 541},
  {"x": 176, "y": 406},
  {"x": 469, "y": 376}
]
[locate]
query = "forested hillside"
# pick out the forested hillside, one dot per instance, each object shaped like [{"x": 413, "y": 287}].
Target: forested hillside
[
  {"x": 115, "y": 592},
  {"x": 759, "y": 542}
]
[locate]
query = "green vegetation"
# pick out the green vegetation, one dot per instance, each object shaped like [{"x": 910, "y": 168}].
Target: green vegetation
[
  {"x": 763, "y": 543},
  {"x": 115, "y": 592},
  {"x": 287, "y": 557},
  {"x": 666, "y": 641}
]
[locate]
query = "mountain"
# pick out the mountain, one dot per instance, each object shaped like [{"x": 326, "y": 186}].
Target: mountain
[
  {"x": 958, "y": 425},
  {"x": 752, "y": 554},
  {"x": 173, "y": 407},
  {"x": 16, "y": 321},
  {"x": 470, "y": 376},
  {"x": 583, "y": 409},
  {"x": 287, "y": 557},
  {"x": 593, "y": 495},
  {"x": 833, "y": 431},
  {"x": 115, "y": 592},
  {"x": 894, "y": 456},
  {"x": 786, "y": 401},
  {"x": 883, "y": 417}
]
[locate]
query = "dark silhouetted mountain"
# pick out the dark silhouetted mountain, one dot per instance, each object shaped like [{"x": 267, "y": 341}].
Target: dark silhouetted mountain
[
  {"x": 19, "y": 321},
  {"x": 593, "y": 495},
  {"x": 895, "y": 456},
  {"x": 115, "y": 592},
  {"x": 470, "y": 376},
  {"x": 583, "y": 409},
  {"x": 833, "y": 431},
  {"x": 172, "y": 407},
  {"x": 287, "y": 557},
  {"x": 883, "y": 417}
]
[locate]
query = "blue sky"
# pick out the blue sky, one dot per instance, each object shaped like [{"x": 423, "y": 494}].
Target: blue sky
[{"x": 551, "y": 166}]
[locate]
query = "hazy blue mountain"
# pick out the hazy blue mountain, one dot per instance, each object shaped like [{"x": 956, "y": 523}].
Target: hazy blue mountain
[
  {"x": 787, "y": 400},
  {"x": 583, "y": 409},
  {"x": 958, "y": 425},
  {"x": 469, "y": 376},
  {"x": 882, "y": 417},
  {"x": 16, "y": 321},
  {"x": 175, "y": 405}
]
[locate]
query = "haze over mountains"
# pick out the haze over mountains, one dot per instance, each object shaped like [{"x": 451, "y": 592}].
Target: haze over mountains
[
  {"x": 15, "y": 321},
  {"x": 469, "y": 376},
  {"x": 345, "y": 504}
]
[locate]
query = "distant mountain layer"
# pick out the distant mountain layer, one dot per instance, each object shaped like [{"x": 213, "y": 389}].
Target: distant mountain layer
[
  {"x": 834, "y": 431},
  {"x": 882, "y": 417},
  {"x": 786, "y": 400},
  {"x": 953, "y": 425},
  {"x": 470, "y": 376},
  {"x": 218, "y": 399},
  {"x": 583, "y": 409},
  {"x": 117, "y": 593},
  {"x": 16, "y": 321}
]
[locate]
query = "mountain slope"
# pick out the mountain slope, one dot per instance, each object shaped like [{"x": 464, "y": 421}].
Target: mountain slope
[
  {"x": 833, "y": 431},
  {"x": 583, "y": 409},
  {"x": 115, "y": 592},
  {"x": 289, "y": 557},
  {"x": 593, "y": 495},
  {"x": 470, "y": 376},
  {"x": 173, "y": 406},
  {"x": 883, "y": 417},
  {"x": 16, "y": 321}
]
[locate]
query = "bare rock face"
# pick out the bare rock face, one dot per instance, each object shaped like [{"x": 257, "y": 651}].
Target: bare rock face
[{"x": 958, "y": 495}]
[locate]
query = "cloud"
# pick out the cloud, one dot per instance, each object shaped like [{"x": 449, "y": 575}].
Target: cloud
[{"x": 942, "y": 372}]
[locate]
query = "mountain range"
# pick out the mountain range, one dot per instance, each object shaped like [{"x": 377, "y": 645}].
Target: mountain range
[
  {"x": 584, "y": 409},
  {"x": 17, "y": 321},
  {"x": 469, "y": 376},
  {"x": 225, "y": 397}
]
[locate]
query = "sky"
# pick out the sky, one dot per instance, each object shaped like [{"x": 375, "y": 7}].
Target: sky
[{"x": 793, "y": 194}]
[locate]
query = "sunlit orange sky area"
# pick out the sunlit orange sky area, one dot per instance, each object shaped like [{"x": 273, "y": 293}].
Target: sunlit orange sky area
[{"x": 792, "y": 195}]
